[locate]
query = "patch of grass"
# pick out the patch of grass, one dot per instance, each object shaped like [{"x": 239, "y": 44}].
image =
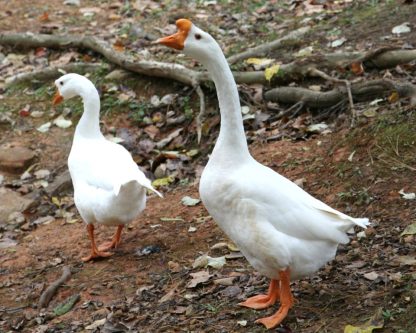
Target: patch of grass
[
  {"x": 357, "y": 196},
  {"x": 138, "y": 110}
]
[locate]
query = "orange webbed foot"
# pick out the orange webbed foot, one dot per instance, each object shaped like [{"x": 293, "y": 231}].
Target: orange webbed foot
[
  {"x": 263, "y": 301},
  {"x": 286, "y": 301},
  {"x": 114, "y": 242},
  {"x": 276, "y": 319},
  {"x": 96, "y": 255},
  {"x": 95, "y": 252}
]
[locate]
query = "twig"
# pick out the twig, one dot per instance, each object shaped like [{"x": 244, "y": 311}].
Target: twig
[
  {"x": 296, "y": 107},
  {"x": 201, "y": 113},
  {"x": 268, "y": 47},
  {"x": 360, "y": 91},
  {"x": 51, "y": 290},
  {"x": 54, "y": 72},
  {"x": 347, "y": 83}
]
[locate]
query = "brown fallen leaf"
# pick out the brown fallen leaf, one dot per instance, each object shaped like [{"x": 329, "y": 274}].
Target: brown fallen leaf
[
  {"x": 118, "y": 46},
  {"x": 169, "y": 295},
  {"x": 357, "y": 68},
  {"x": 371, "y": 275},
  {"x": 394, "y": 97},
  {"x": 228, "y": 281},
  {"x": 198, "y": 278},
  {"x": 44, "y": 17}
]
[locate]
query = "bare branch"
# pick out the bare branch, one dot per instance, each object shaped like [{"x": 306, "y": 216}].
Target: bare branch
[
  {"x": 51, "y": 290},
  {"x": 50, "y": 73},
  {"x": 361, "y": 92},
  {"x": 264, "y": 49}
]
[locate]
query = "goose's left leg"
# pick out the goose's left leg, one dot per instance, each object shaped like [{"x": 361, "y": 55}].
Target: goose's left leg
[
  {"x": 114, "y": 242},
  {"x": 263, "y": 301},
  {"x": 286, "y": 302},
  {"x": 95, "y": 252}
]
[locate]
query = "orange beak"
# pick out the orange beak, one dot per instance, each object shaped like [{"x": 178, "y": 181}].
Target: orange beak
[
  {"x": 57, "y": 98},
  {"x": 177, "y": 41}
]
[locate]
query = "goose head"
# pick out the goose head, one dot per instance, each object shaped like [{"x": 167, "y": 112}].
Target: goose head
[
  {"x": 192, "y": 41},
  {"x": 71, "y": 85}
]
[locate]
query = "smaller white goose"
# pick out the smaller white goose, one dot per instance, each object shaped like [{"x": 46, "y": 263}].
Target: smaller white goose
[
  {"x": 109, "y": 188},
  {"x": 284, "y": 232}
]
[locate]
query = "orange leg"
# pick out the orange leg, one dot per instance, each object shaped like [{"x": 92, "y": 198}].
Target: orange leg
[
  {"x": 263, "y": 301},
  {"x": 95, "y": 252},
  {"x": 114, "y": 242},
  {"x": 286, "y": 302}
]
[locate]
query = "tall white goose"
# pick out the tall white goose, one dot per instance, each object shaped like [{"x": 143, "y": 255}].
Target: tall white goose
[
  {"x": 109, "y": 188},
  {"x": 284, "y": 232}
]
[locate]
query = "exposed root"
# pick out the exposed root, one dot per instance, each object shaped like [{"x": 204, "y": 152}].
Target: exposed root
[{"x": 51, "y": 290}]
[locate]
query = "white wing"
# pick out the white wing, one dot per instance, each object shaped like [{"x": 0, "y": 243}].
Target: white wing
[
  {"x": 290, "y": 209},
  {"x": 106, "y": 165}
]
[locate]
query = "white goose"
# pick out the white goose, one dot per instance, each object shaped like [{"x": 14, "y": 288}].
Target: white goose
[
  {"x": 109, "y": 188},
  {"x": 284, "y": 232}
]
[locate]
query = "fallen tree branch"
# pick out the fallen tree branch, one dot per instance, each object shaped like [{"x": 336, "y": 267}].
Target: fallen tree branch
[
  {"x": 347, "y": 83},
  {"x": 50, "y": 73},
  {"x": 294, "y": 71},
  {"x": 151, "y": 68},
  {"x": 51, "y": 290},
  {"x": 201, "y": 114},
  {"x": 361, "y": 92},
  {"x": 266, "y": 48}
]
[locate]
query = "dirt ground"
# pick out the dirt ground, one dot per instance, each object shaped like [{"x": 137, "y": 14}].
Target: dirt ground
[{"x": 145, "y": 286}]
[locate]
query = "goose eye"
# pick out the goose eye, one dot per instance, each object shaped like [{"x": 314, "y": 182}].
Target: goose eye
[
  {"x": 198, "y": 36},
  {"x": 61, "y": 83}
]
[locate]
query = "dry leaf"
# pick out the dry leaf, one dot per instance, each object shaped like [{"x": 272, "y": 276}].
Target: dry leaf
[
  {"x": 357, "y": 68},
  {"x": 206, "y": 260},
  {"x": 198, "y": 278},
  {"x": 96, "y": 324},
  {"x": 188, "y": 201},
  {"x": 44, "y": 17},
  {"x": 394, "y": 97},
  {"x": 409, "y": 230},
  {"x": 375, "y": 322},
  {"x": 371, "y": 276},
  {"x": 407, "y": 196},
  {"x": 118, "y": 46},
  {"x": 271, "y": 71}
]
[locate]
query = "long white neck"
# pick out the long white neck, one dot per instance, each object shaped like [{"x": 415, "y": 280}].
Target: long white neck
[
  {"x": 89, "y": 124},
  {"x": 232, "y": 142}
]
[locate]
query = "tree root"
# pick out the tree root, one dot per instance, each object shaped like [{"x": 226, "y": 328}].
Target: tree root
[
  {"x": 263, "y": 49},
  {"x": 50, "y": 73},
  {"x": 51, "y": 290},
  {"x": 294, "y": 71},
  {"x": 360, "y": 92}
]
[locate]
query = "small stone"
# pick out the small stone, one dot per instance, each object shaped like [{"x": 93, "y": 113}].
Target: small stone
[
  {"x": 16, "y": 218},
  {"x": 72, "y": 2},
  {"x": 44, "y": 220},
  {"x": 409, "y": 239},
  {"x": 361, "y": 234},
  {"x": 299, "y": 182},
  {"x": 231, "y": 291},
  {"x": 15, "y": 159},
  {"x": 7, "y": 242},
  {"x": 42, "y": 173},
  {"x": 168, "y": 99},
  {"x": 228, "y": 281},
  {"x": 155, "y": 101},
  {"x": 118, "y": 75},
  {"x": 12, "y": 202}
]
